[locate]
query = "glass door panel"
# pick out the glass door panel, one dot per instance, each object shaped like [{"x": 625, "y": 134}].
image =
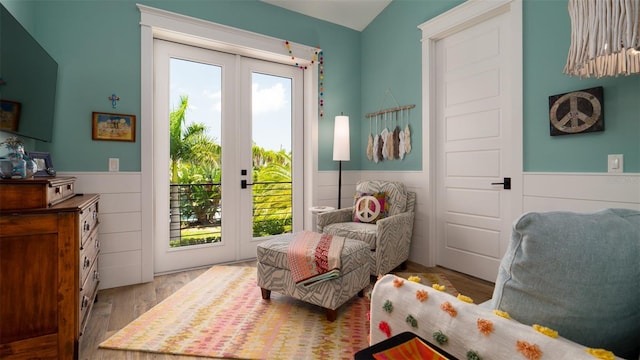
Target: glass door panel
[{"x": 190, "y": 103}]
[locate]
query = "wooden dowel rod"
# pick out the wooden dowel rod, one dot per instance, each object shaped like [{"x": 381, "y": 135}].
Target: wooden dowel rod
[{"x": 396, "y": 109}]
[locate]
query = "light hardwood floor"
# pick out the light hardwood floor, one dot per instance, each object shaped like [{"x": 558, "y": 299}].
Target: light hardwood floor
[{"x": 117, "y": 307}]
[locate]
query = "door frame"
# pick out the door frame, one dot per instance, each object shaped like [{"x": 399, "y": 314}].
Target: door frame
[
  {"x": 166, "y": 25},
  {"x": 465, "y": 15}
]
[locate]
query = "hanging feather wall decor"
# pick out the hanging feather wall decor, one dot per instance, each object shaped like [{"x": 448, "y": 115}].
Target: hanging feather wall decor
[
  {"x": 392, "y": 142},
  {"x": 370, "y": 143}
]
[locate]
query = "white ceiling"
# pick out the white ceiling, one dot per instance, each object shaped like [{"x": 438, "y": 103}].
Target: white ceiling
[{"x": 354, "y": 14}]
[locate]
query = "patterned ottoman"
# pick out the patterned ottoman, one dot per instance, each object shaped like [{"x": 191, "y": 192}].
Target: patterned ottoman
[{"x": 274, "y": 275}]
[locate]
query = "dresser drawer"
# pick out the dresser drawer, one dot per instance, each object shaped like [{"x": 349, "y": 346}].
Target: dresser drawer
[
  {"x": 35, "y": 193},
  {"x": 88, "y": 255},
  {"x": 59, "y": 192},
  {"x": 88, "y": 222},
  {"x": 88, "y": 293}
]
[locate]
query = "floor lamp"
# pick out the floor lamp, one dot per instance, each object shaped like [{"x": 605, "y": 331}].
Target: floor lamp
[{"x": 341, "y": 150}]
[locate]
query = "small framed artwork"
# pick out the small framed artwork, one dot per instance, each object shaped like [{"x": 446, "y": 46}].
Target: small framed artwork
[
  {"x": 577, "y": 112},
  {"x": 43, "y": 162},
  {"x": 9, "y": 115},
  {"x": 113, "y": 127}
]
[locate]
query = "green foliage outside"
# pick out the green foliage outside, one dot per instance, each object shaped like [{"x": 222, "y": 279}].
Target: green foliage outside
[{"x": 195, "y": 166}]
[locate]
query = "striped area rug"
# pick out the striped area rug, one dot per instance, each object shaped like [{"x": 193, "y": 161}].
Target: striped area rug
[{"x": 221, "y": 314}]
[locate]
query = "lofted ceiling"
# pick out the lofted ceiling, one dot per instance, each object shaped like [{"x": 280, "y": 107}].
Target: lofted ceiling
[{"x": 354, "y": 14}]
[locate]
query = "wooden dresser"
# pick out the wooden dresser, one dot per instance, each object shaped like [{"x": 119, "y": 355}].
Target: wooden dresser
[{"x": 48, "y": 267}]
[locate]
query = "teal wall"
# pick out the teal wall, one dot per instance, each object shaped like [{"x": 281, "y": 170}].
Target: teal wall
[
  {"x": 394, "y": 38},
  {"x": 547, "y": 30},
  {"x": 391, "y": 59},
  {"x": 97, "y": 46}
]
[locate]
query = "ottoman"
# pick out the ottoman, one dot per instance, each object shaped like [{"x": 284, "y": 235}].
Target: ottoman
[{"x": 274, "y": 275}]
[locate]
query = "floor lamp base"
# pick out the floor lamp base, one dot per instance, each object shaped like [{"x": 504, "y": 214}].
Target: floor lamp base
[{"x": 339, "y": 182}]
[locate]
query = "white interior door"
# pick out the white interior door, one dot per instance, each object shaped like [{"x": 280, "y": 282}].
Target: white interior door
[
  {"x": 250, "y": 103},
  {"x": 473, "y": 147}
]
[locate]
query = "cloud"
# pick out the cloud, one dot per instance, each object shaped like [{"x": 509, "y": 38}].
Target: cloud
[
  {"x": 268, "y": 99},
  {"x": 215, "y": 97}
]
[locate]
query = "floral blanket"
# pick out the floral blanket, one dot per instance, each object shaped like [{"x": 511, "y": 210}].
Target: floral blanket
[{"x": 314, "y": 257}]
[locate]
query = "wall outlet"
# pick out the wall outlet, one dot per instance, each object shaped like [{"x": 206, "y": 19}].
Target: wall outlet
[
  {"x": 114, "y": 164},
  {"x": 615, "y": 163}
]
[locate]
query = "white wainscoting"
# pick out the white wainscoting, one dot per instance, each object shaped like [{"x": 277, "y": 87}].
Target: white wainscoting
[
  {"x": 120, "y": 231},
  {"x": 121, "y": 255},
  {"x": 582, "y": 192}
]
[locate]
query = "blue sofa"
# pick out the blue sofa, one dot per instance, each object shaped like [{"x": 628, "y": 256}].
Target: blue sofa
[{"x": 569, "y": 283}]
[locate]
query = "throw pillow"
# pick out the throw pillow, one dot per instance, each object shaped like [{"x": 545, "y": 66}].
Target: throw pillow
[
  {"x": 578, "y": 274},
  {"x": 370, "y": 207}
]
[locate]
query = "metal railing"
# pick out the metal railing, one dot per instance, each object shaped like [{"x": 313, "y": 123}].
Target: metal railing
[{"x": 196, "y": 211}]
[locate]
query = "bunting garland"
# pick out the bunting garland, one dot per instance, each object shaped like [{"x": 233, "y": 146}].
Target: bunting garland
[
  {"x": 321, "y": 84},
  {"x": 314, "y": 58},
  {"x": 319, "y": 57}
]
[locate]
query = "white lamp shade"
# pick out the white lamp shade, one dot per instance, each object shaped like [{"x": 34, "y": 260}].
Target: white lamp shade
[{"x": 341, "y": 139}]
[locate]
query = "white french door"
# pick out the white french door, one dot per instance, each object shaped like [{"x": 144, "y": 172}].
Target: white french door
[
  {"x": 244, "y": 104},
  {"x": 272, "y": 96}
]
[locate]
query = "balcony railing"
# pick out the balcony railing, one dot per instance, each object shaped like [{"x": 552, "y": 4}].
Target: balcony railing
[{"x": 196, "y": 211}]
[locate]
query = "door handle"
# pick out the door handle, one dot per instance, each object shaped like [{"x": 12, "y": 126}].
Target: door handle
[
  {"x": 506, "y": 183},
  {"x": 244, "y": 184}
]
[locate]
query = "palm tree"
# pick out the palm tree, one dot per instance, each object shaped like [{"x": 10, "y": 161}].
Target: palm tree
[
  {"x": 190, "y": 144},
  {"x": 273, "y": 194},
  {"x": 191, "y": 151}
]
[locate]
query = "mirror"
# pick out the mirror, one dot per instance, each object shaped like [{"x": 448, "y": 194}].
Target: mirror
[{"x": 28, "y": 77}]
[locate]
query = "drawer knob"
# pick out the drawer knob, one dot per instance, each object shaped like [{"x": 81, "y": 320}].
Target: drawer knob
[
  {"x": 86, "y": 263},
  {"x": 58, "y": 190},
  {"x": 96, "y": 275},
  {"x": 86, "y": 226},
  {"x": 85, "y": 302}
]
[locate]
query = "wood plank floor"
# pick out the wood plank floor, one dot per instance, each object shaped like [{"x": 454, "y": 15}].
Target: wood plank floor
[{"x": 117, "y": 307}]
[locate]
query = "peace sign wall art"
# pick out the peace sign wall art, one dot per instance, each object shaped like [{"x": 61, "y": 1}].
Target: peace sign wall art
[{"x": 577, "y": 112}]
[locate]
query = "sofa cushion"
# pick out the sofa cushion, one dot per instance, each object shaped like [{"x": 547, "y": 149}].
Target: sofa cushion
[
  {"x": 365, "y": 232},
  {"x": 395, "y": 191},
  {"x": 399, "y": 305},
  {"x": 576, "y": 273}
]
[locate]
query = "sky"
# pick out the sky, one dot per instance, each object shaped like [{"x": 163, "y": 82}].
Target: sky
[{"x": 271, "y": 97}]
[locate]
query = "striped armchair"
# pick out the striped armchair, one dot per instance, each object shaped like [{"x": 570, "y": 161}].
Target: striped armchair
[{"x": 389, "y": 238}]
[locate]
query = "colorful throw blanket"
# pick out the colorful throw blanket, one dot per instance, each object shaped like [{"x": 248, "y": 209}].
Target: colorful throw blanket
[{"x": 314, "y": 257}]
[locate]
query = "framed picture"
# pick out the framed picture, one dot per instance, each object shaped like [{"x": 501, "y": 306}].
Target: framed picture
[
  {"x": 44, "y": 163},
  {"x": 113, "y": 127},
  {"x": 577, "y": 112},
  {"x": 9, "y": 115}
]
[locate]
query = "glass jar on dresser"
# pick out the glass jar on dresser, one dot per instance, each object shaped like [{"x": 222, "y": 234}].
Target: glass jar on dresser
[{"x": 48, "y": 266}]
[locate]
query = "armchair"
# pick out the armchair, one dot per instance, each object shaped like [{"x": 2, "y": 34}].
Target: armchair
[{"x": 389, "y": 238}]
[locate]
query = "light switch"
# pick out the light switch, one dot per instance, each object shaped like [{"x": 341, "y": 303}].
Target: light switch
[
  {"x": 615, "y": 163},
  {"x": 114, "y": 164}
]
